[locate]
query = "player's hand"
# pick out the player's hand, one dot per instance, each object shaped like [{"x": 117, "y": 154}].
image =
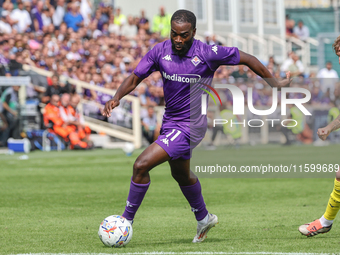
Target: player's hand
[
  {"x": 324, "y": 132},
  {"x": 285, "y": 82},
  {"x": 109, "y": 106}
]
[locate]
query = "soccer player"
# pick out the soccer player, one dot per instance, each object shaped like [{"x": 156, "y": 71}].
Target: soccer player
[
  {"x": 181, "y": 60},
  {"x": 324, "y": 224}
]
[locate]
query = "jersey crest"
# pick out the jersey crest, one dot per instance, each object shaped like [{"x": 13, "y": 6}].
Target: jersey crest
[{"x": 195, "y": 61}]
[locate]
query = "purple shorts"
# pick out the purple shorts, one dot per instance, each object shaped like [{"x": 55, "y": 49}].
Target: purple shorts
[{"x": 177, "y": 141}]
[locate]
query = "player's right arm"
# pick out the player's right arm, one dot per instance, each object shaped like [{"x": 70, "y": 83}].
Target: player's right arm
[
  {"x": 324, "y": 132},
  {"x": 129, "y": 84},
  {"x": 146, "y": 66}
]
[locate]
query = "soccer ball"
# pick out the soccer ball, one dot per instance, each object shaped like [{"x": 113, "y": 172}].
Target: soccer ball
[
  {"x": 128, "y": 148},
  {"x": 115, "y": 231}
]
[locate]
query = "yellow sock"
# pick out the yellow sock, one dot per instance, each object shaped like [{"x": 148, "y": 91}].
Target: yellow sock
[{"x": 333, "y": 205}]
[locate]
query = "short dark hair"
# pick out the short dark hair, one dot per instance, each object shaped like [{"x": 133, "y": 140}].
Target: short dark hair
[{"x": 184, "y": 16}]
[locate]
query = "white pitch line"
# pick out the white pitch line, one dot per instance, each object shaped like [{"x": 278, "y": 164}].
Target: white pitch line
[{"x": 182, "y": 253}]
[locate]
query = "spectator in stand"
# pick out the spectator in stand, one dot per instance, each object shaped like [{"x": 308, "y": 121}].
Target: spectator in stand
[
  {"x": 328, "y": 79},
  {"x": 113, "y": 28},
  {"x": 53, "y": 119},
  {"x": 22, "y": 17},
  {"x": 37, "y": 16},
  {"x": 77, "y": 120},
  {"x": 290, "y": 23},
  {"x": 63, "y": 107},
  {"x": 142, "y": 95},
  {"x": 9, "y": 10},
  {"x": 150, "y": 126},
  {"x": 15, "y": 63},
  {"x": 98, "y": 17},
  {"x": 28, "y": 7},
  {"x": 293, "y": 64},
  {"x": 286, "y": 63},
  {"x": 129, "y": 29},
  {"x": 272, "y": 64},
  {"x": 296, "y": 68},
  {"x": 71, "y": 116},
  {"x": 73, "y": 53},
  {"x": 58, "y": 14},
  {"x": 302, "y": 131},
  {"x": 47, "y": 17},
  {"x": 143, "y": 22},
  {"x": 56, "y": 88},
  {"x": 161, "y": 23},
  {"x": 105, "y": 10},
  {"x": 10, "y": 104},
  {"x": 215, "y": 41},
  {"x": 208, "y": 39},
  {"x": 107, "y": 73},
  {"x": 5, "y": 27},
  {"x": 73, "y": 18},
  {"x": 85, "y": 11},
  {"x": 301, "y": 31},
  {"x": 316, "y": 96},
  {"x": 240, "y": 72},
  {"x": 119, "y": 18}
]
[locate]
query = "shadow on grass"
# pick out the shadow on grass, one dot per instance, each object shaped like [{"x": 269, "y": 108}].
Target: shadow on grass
[
  {"x": 188, "y": 241},
  {"x": 174, "y": 242}
]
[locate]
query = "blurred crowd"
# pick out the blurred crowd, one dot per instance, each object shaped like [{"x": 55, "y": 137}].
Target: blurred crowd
[
  {"x": 300, "y": 31},
  {"x": 100, "y": 47},
  {"x": 103, "y": 46},
  {"x": 323, "y": 85}
]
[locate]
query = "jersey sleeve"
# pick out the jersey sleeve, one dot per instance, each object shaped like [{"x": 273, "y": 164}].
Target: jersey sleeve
[
  {"x": 220, "y": 55},
  {"x": 148, "y": 64}
]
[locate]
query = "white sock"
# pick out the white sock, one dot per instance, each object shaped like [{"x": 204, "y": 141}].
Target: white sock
[
  {"x": 324, "y": 222},
  {"x": 204, "y": 221}
]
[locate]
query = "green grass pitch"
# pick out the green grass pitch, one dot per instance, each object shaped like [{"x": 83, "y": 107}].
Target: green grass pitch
[{"x": 54, "y": 202}]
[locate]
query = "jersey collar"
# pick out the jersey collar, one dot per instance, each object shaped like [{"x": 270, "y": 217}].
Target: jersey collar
[{"x": 190, "y": 52}]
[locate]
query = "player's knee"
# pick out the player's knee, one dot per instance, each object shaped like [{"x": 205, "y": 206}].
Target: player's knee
[{"x": 140, "y": 167}]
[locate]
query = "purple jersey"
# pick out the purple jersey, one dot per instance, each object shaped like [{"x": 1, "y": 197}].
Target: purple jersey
[
  {"x": 182, "y": 77},
  {"x": 200, "y": 62}
]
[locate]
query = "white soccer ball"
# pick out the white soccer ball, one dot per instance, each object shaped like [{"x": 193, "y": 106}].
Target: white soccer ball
[
  {"x": 128, "y": 148},
  {"x": 115, "y": 231}
]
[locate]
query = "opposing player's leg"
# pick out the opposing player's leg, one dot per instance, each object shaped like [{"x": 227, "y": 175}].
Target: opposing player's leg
[
  {"x": 324, "y": 224},
  {"x": 191, "y": 189},
  {"x": 140, "y": 181}
]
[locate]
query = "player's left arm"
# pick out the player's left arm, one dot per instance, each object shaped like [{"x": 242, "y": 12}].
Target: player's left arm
[{"x": 257, "y": 67}]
